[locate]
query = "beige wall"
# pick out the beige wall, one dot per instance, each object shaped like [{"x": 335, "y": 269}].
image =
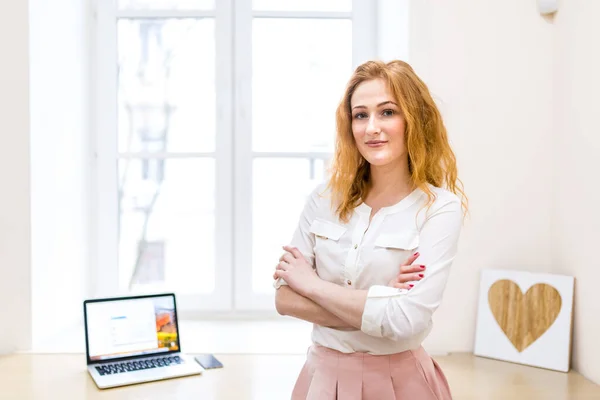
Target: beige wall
[
  {"x": 15, "y": 245},
  {"x": 489, "y": 66},
  {"x": 521, "y": 96},
  {"x": 577, "y": 171}
]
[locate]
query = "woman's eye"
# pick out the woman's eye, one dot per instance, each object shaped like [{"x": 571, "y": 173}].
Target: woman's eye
[
  {"x": 388, "y": 113},
  {"x": 360, "y": 115}
]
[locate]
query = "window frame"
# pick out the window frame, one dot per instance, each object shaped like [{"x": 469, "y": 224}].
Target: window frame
[
  {"x": 233, "y": 153},
  {"x": 363, "y": 47}
]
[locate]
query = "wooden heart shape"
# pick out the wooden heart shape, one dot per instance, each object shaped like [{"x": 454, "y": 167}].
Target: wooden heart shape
[{"x": 523, "y": 318}]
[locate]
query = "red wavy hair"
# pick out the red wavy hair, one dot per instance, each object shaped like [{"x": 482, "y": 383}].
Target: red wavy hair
[{"x": 430, "y": 157}]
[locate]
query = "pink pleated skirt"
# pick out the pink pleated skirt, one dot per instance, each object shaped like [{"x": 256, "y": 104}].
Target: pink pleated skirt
[{"x": 331, "y": 375}]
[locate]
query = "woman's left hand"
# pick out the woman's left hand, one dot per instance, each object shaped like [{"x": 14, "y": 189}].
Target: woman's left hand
[{"x": 296, "y": 271}]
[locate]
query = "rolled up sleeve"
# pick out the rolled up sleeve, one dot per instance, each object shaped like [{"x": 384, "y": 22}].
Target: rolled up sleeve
[{"x": 400, "y": 314}]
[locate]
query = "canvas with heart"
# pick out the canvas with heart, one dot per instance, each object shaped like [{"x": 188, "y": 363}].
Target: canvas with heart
[{"x": 526, "y": 318}]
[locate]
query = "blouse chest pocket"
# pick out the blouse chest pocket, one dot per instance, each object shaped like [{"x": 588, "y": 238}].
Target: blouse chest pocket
[
  {"x": 327, "y": 230},
  {"x": 395, "y": 248},
  {"x": 327, "y": 238},
  {"x": 389, "y": 251},
  {"x": 329, "y": 252},
  {"x": 407, "y": 241}
]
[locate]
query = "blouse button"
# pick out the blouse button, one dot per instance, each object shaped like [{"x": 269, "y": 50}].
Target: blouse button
[
  {"x": 355, "y": 246},
  {"x": 349, "y": 282}
]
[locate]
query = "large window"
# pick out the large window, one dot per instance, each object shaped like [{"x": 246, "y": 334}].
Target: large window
[{"x": 215, "y": 118}]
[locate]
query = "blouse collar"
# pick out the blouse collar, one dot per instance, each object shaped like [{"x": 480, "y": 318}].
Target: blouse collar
[{"x": 403, "y": 204}]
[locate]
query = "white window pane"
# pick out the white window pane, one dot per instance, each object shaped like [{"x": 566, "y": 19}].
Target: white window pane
[
  {"x": 300, "y": 69},
  {"x": 167, "y": 225},
  {"x": 302, "y": 5},
  {"x": 167, "y": 4},
  {"x": 280, "y": 188},
  {"x": 166, "y": 85}
]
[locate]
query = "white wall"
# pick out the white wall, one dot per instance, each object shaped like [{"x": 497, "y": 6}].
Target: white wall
[
  {"x": 489, "y": 66},
  {"x": 577, "y": 171},
  {"x": 15, "y": 289},
  {"x": 44, "y": 168},
  {"x": 60, "y": 162},
  {"x": 393, "y": 29}
]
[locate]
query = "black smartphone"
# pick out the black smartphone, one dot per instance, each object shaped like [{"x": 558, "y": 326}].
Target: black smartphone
[{"x": 208, "y": 361}]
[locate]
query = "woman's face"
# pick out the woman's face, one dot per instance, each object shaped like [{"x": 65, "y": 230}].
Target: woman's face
[{"x": 377, "y": 124}]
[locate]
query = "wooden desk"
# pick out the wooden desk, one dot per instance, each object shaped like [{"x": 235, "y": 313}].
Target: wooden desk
[{"x": 266, "y": 377}]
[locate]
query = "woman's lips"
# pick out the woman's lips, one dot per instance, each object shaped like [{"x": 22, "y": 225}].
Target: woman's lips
[{"x": 376, "y": 143}]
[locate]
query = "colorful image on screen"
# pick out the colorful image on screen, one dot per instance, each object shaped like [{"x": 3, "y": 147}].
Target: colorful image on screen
[
  {"x": 131, "y": 327},
  {"x": 166, "y": 329}
]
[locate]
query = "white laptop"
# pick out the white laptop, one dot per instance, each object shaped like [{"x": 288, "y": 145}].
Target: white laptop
[{"x": 133, "y": 340}]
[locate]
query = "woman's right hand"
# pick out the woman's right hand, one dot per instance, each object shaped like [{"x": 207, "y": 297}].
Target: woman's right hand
[{"x": 409, "y": 273}]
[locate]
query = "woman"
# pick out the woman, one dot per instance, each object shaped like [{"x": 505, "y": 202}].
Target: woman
[{"x": 392, "y": 199}]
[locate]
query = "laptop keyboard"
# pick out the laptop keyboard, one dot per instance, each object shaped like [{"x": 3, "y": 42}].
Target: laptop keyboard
[{"x": 138, "y": 365}]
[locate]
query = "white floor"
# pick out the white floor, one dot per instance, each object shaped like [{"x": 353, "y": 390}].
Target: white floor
[{"x": 272, "y": 336}]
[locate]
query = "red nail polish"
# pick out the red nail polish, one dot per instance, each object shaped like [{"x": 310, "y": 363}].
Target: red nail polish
[
  {"x": 421, "y": 275},
  {"x": 411, "y": 285},
  {"x": 422, "y": 267},
  {"x": 416, "y": 254}
]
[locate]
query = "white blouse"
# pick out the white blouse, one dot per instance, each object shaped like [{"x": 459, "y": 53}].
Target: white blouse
[{"x": 366, "y": 256}]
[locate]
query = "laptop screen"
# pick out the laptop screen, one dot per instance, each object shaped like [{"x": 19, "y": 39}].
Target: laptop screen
[{"x": 130, "y": 326}]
